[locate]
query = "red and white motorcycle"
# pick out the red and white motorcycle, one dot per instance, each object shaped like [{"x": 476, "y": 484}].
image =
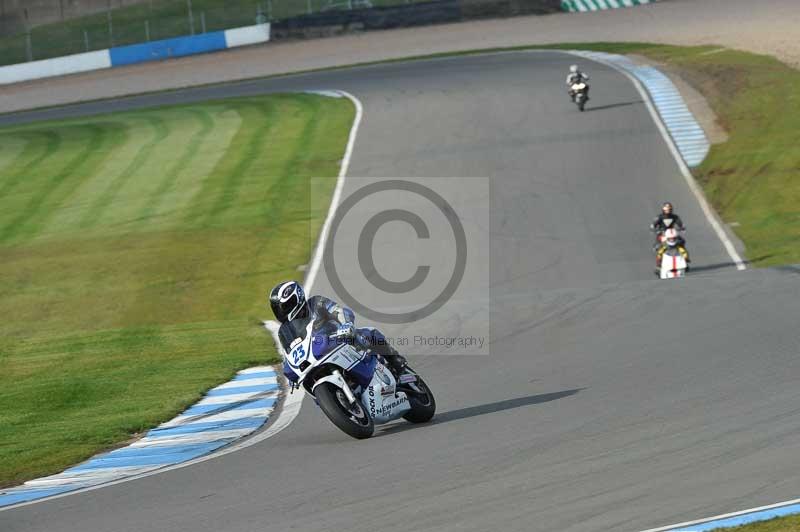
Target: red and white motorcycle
[{"x": 673, "y": 259}]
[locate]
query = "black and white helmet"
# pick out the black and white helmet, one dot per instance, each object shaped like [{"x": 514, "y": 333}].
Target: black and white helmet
[{"x": 288, "y": 301}]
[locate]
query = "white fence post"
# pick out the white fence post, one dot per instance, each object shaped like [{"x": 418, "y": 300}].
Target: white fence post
[{"x": 191, "y": 17}]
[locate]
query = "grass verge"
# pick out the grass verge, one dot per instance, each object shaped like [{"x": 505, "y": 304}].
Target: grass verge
[
  {"x": 135, "y": 253},
  {"x": 790, "y": 523}
]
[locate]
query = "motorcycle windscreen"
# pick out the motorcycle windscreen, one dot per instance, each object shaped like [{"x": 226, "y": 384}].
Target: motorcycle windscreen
[{"x": 291, "y": 331}]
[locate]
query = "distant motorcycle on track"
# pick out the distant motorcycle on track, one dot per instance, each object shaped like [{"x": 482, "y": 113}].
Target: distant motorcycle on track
[
  {"x": 672, "y": 259},
  {"x": 352, "y": 385},
  {"x": 579, "y": 92}
]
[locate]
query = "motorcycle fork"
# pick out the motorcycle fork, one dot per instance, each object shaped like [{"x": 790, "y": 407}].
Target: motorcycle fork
[{"x": 346, "y": 388}]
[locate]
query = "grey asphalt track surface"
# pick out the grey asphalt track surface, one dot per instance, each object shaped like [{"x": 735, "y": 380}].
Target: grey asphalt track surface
[{"x": 610, "y": 400}]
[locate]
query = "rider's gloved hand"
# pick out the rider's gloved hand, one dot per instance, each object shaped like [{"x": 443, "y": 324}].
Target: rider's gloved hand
[{"x": 345, "y": 330}]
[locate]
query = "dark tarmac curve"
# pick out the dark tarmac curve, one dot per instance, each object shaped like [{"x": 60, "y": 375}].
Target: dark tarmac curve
[{"x": 611, "y": 401}]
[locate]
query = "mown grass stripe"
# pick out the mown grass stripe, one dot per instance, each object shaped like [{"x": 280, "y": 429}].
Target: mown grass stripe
[
  {"x": 180, "y": 165},
  {"x": 287, "y": 185},
  {"x": 103, "y": 201},
  {"x": 34, "y": 215},
  {"x": 111, "y": 137},
  {"x": 37, "y": 152},
  {"x": 182, "y": 198},
  {"x": 253, "y": 149},
  {"x": 220, "y": 187},
  {"x": 11, "y": 150}
]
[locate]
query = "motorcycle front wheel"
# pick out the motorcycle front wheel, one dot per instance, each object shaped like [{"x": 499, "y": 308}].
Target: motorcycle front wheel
[{"x": 353, "y": 420}]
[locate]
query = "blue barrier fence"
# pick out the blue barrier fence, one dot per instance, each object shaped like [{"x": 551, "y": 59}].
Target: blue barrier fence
[
  {"x": 136, "y": 53},
  {"x": 167, "y": 48}
]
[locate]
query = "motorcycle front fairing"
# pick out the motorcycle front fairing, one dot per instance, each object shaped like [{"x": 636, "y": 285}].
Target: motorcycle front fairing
[
  {"x": 311, "y": 347},
  {"x": 383, "y": 401},
  {"x": 375, "y": 385},
  {"x": 673, "y": 264}
]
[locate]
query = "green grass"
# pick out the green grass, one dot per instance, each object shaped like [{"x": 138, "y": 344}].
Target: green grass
[
  {"x": 166, "y": 19},
  {"x": 136, "y": 252},
  {"x": 789, "y": 523}
]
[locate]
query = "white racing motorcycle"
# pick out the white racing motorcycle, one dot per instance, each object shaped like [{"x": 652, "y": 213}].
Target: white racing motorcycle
[
  {"x": 352, "y": 385},
  {"x": 673, "y": 264}
]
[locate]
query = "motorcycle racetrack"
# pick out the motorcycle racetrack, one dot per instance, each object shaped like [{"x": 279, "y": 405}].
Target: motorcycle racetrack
[{"x": 609, "y": 401}]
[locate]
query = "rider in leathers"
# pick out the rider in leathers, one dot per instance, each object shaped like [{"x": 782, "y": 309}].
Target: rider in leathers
[
  {"x": 289, "y": 304},
  {"x": 668, "y": 220},
  {"x": 576, "y": 76}
]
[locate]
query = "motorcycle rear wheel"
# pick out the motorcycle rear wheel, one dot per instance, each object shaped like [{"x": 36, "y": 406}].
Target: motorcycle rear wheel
[
  {"x": 353, "y": 420},
  {"x": 423, "y": 404}
]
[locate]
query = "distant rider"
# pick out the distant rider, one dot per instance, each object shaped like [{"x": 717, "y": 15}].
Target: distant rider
[
  {"x": 289, "y": 304},
  {"x": 666, "y": 220},
  {"x": 576, "y": 76},
  {"x": 671, "y": 240}
]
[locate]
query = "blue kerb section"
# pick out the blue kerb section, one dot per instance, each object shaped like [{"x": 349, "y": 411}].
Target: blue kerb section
[
  {"x": 166, "y": 453},
  {"x": 25, "y": 495},
  {"x": 145, "y": 456},
  {"x": 208, "y": 409},
  {"x": 242, "y": 389},
  {"x": 741, "y": 519},
  {"x": 689, "y": 137},
  {"x": 257, "y": 375},
  {"x": 164, "y": 49},
  {"x": 244, "y": 423}
]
